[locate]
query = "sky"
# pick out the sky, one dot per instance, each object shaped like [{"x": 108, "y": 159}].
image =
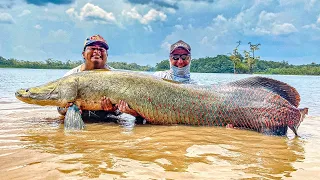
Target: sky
[{"x": 141, "y": 31}]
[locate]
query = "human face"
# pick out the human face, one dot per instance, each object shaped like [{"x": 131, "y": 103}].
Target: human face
[
  {"x": 95, "y": 57},
  {"x": 181, "y": 53}
]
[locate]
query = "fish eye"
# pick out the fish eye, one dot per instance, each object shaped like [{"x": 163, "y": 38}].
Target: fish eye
[{"x": 27, "y": 90}]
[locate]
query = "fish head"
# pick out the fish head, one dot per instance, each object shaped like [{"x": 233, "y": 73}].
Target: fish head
[{"x": 55, "y": 93}]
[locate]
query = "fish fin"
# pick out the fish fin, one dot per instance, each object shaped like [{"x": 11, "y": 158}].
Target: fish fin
[
  {"x": 275, "y": 131},
  {"x": 171, "y": 81},
  {"x": 284, "y": 90},
  {"x": 303, "y": 111},
  {"x": 72, "y": 119}
]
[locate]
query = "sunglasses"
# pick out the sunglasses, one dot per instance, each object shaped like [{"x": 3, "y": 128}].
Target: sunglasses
[
  {"x": 182, "y": 56},
  {"x": 101, "y": 49}
]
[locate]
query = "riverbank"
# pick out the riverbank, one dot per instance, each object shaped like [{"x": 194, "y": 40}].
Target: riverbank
[{"x": 218, "y": 64}]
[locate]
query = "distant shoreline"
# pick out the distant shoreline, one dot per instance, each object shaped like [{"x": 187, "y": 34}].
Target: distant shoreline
[
  {"x": 257, "y": 73},
  {"x": 218, "y": 64}
]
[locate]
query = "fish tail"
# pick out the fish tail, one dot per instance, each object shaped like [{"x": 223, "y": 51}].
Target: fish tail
[{"x": 303, "y": 113}]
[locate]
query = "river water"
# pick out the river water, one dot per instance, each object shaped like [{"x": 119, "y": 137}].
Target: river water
[{"x": 34, "y": 145}]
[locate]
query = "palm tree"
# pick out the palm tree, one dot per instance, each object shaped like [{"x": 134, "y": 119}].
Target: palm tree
[
  {"x": 254, "y": 47},
  {"x": 249, "y": 60}
]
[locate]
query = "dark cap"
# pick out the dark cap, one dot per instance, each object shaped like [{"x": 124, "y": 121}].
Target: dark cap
[
  {"x": 180, "y": 44},
  {"x": 95, "y": 39}
]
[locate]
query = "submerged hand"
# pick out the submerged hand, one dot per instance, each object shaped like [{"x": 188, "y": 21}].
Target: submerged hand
[
  {"x": 124, "y": 107},
  {"x": 106, "y": 104},
  {"x": 71, "y": 104}
]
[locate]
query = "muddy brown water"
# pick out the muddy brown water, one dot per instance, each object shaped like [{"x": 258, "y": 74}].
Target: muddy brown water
[{"x": 34, "y": 144}]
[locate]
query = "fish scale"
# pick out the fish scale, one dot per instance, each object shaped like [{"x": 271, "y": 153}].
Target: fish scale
[{"x": 260, "y": 104}]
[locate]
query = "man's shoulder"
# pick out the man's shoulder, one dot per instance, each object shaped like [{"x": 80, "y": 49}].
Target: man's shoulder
[
  {"x": 78, "y": 69},
  {"x": 162, "y": 74},
  {"x": 74, "y": 70}
]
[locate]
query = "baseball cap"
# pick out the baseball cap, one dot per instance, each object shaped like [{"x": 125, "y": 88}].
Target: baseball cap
[
  {"x": 180, "y": 44},
  {"x": 96, "y": 39}
]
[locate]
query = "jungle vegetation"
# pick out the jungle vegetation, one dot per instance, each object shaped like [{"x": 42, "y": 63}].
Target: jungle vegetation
[{"x": 235, "y": 62}]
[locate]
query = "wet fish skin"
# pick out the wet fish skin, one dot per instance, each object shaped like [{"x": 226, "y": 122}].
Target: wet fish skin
[{"x": 161, "y": 102}]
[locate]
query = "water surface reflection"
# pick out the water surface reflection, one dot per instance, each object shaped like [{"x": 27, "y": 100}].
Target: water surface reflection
[{"x": 193, "y": 151}]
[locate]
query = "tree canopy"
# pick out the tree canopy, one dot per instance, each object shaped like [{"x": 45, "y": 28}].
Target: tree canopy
[{"x": 218, "y": 64}]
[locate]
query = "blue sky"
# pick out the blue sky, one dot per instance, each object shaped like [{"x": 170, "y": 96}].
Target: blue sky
[{"x": 141, "y": 31}]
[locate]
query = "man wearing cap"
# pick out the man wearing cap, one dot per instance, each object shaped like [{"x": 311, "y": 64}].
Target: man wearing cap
[
  {"x": 180, "y": 60},
  {"x": 95, "y": 54}
]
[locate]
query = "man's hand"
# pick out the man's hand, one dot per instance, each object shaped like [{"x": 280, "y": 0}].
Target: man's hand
[
  {"x": 124, "y": 107},
  {"x": 63, "y": 111},
  {"x": 106, "y": 104}
]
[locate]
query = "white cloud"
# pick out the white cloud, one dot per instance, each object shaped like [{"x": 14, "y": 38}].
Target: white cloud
[
  {"x": 266, "y": 17},
  {"x": 151, "y": 15},
  {"x": 90, "y": 12},
  {"x": 276, "y": 29},
  {"x": 24, "y": 12},
  {"x": 220, "y": 19},
  {"x": 165, "y": 45},
  {"x": 204, "y": 40},
  {"x": 318, "y": 20},
  {"x": 285, "y": 28},
  {"x": 38, "y": 26},
  {"x": 178, "y": 26},
  {"x": 270, "y": 23},
  {"x": 6, "y": 18},
  {"x": 261, "y": 31},
  {"x": 306, "y": 4},
  {"x": 133, "y": 13},
  {"x": 72, "y": 13},
  {"x": 287, "y": 2},
  {"x": 148, "y": 28},
  {"x": 311, "y": 26},
  {"x": 171, "y": 10}
]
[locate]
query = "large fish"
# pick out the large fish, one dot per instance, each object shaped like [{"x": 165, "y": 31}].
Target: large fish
[{"x": 258, "y": 103}]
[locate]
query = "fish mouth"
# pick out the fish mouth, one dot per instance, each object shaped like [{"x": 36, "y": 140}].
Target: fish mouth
[
  {"x": 23, "y": 95},
  {"x": 26, "y": 96}
]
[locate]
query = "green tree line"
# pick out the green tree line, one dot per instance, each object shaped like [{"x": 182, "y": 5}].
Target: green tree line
[
  {"x": 55, "y": 64},
  {"x": 47, "y": 64},
  {"x": 218, "y": 64}
]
